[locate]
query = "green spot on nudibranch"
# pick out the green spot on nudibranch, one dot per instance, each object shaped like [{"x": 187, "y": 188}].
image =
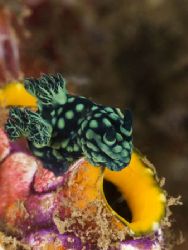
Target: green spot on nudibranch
[
  {"x": 105, "y": 148},
  {"x": 98, "y": 157},
  {"x": 76, "y": 148},
  {"x": 92, "y": 146},
  {"x": 114, "y": 116},
  {"x": 69, "y": 114},
  {"x": 106, "y": 122},
  {"x": 37, "y": 145},
  {"x": 82, "y": 141},
  {"x": 119, "y": 113},
  {"x": 70, "y": 99},
  {"x": 124, "y": 153},
  {"x": 69, "y": 149},
  {"x": 38, "y": 153},
  {"x": 97, "y": 115},
  {"x": 94, "y": 108},
  {"x": 79, "y": 107},
  {"x": 125, "y": 131},
  {"x": 126, "y": 145},
  {"x": 93, "y": 124},
  {"x": 61, "y": 123},
  {"x": 64, "y": 143},
  {"x": 107, "y": 141},
  {"x": 108, "y": 109},
  {"x": 117, "y": 149},
  {"x": 53, "y": 113},
  {"x": 59, "y": 111},
  {"x": 84, "y": 123},
  {"x": 69, "y": 158},
  {"x": 90, "y": 134},
  {"x": 119, "y": 137},
  {"x": 54, "y": 120},
  {"x": 57, "y": 154},
  {"x": 103, "y": 111},
  {"x": 127, "y": 160}
]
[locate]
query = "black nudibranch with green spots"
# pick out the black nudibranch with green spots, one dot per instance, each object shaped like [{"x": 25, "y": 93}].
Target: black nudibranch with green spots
[{"x": 66, "y": 127}]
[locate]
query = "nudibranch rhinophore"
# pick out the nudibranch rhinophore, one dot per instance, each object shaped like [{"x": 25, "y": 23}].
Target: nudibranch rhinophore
[{"x": 66, "y": 127}]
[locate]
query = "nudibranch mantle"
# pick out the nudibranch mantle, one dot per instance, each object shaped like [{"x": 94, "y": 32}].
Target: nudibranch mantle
[{"x": 66, "y": 127}]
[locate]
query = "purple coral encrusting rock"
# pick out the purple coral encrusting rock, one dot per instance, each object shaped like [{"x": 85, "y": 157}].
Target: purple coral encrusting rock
[
  {"x": 140, "y": 244},
  {"x": 40, "y": 209},
  {"x": 70, "y": 241},
  {"x": 51, "y": 236}
]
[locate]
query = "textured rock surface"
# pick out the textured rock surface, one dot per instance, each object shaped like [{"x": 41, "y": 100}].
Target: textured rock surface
[{"x": 48, "y": 212}]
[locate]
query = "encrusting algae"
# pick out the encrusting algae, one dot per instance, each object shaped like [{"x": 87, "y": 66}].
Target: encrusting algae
[{"x": 81, "y": 208}]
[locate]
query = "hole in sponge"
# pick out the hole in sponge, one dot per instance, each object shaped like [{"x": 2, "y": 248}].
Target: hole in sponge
[{"x": 116, "y": 201}]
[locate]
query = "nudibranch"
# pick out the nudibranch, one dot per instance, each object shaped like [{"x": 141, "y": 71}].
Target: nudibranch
[{"x": 66, "y": 127}]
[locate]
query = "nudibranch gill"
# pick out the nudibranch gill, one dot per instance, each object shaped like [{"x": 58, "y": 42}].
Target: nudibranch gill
[{"x": 66, "y": 127}]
